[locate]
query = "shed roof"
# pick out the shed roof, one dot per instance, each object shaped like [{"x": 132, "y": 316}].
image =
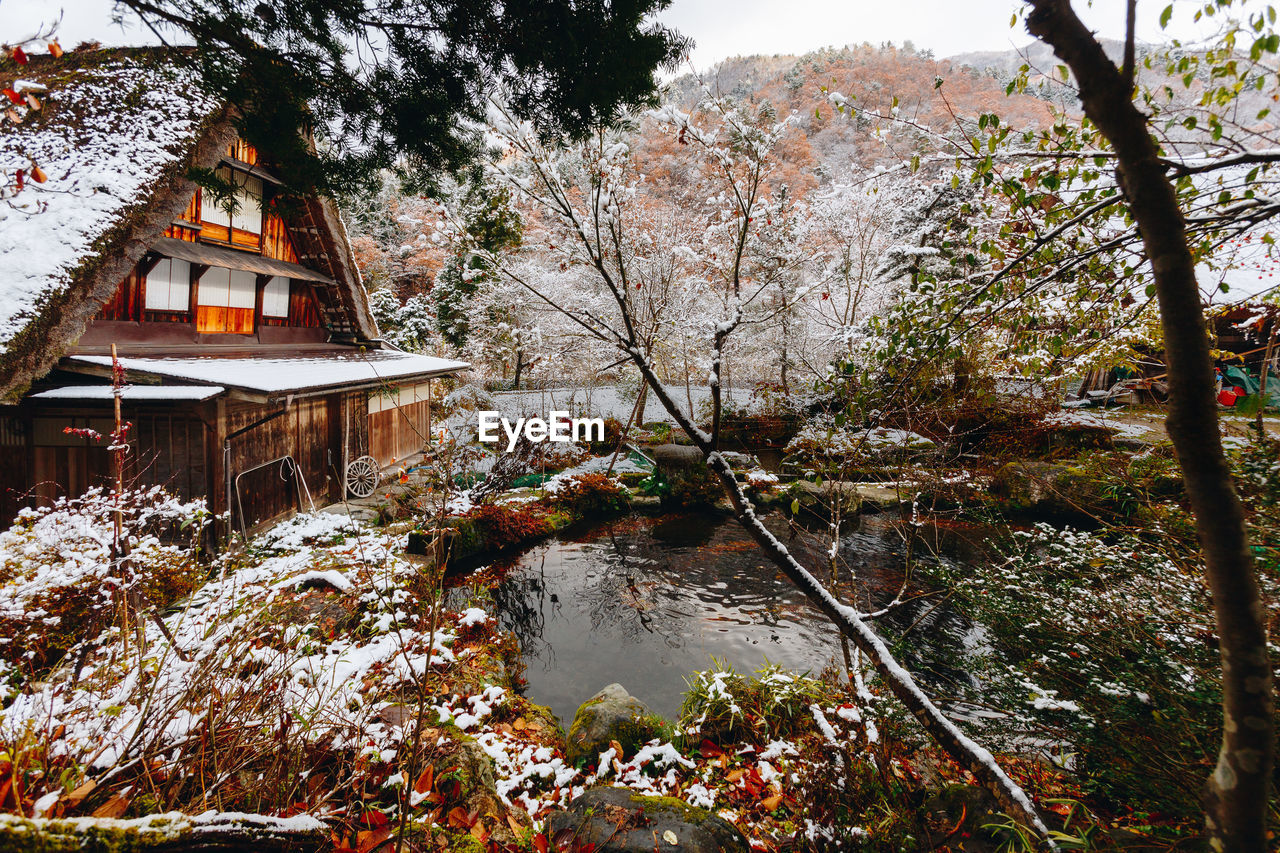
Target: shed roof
[
  {"x": 301, "y": 372},
  {"x": 133, "y": 393}
]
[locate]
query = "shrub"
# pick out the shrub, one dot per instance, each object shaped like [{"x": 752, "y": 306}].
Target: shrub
[
  {"x": 60, "y": 582},
  {"x": 722, "y": 705},
  {"x": 502, "y": 526},
  {"x": 589, "y": 496},
  {"x": 612, "y": 437},
  {"x": 1105, "y": 645}
]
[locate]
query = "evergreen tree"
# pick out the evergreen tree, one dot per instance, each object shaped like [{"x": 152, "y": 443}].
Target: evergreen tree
[{"x": 402, "y": 83}]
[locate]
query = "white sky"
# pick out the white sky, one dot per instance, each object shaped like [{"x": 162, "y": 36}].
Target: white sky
[{"x": 724, "y": 28}]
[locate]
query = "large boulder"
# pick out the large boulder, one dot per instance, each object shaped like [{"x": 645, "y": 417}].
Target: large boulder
[
  {"x": 617, "y": 820},
  {"x": 613, "y": 714}
]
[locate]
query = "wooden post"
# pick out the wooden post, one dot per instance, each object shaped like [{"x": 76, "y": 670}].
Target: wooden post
[{"x": 1262, "y": 382}]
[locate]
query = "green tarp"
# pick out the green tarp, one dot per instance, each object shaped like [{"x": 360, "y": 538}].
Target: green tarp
[{"x": 1241, "y": 378}]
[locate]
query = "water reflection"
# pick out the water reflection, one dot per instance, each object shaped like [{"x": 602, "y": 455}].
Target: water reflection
[{"x": 646, "y": 601}]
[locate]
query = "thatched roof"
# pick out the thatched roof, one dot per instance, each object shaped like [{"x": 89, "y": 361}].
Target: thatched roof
[{"x": 116, "y": 135}]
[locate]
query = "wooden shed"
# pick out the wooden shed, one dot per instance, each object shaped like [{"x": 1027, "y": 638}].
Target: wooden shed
[{"x": 254, "y": 375}]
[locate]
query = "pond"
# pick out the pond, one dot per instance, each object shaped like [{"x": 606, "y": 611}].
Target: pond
[{"x": 645, "y": 601}]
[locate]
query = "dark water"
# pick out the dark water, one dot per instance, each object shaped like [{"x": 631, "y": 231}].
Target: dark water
[{"x": 646, "y": 601}]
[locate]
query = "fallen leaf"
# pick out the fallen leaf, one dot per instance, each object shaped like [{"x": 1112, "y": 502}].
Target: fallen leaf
[
  {"x": 670, "y": 837},
  {"x": 372, "y": 839},
  {"x": 114, "y": 807},
  {"x": 77, "y": 796},
  {"x": 33, "y": 101},
  {"x": 425, "y": 780},
  {"x": 771, "y": 803},
  {"x": 459, "y": 818},
  {"x": 520, "y": 724},
  {"x": 709, "y": 749},
  {"x": 540, "y": 843},
  {"x": 19, "y": 56},
  {"x": 55, "y": 49}
]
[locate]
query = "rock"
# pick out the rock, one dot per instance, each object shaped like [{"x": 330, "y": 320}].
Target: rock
[
  {"x": 1046, "y": 487},
  {"x": 855, "y": 497},
  {"x": 617, "y": 820},
  {"x": 468, "y": 764},
  {"x": 896, "y": 445},
  {"x": 674, "y": 457},
  {"x": 740, "y": 461},
  {"x": 612, "y": 714},
  {"x": 688, "y": 480}
]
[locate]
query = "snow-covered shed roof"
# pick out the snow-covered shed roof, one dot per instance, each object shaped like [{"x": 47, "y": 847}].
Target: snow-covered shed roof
[
  {"x": 114, "y": 134},
  {"x": 277, "y": 375},
  {"x": 133, "y": 393}
]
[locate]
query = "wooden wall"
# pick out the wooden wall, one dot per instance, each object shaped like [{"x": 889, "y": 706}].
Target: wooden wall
[
  {"x": 14, "y": 465},
  {"x": 308, "y": 432},
  {"x": 399, "y": 422}
]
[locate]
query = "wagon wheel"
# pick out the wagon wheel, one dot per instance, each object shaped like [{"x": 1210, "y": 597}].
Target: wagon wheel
[{"x": 362, "y": 476}]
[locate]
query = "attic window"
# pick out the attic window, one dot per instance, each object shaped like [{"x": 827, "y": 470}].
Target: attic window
[
  {"x": 244, "y": 222},
  {"x": 168, "y": 286},
  {"x": 275, "y": 297}
]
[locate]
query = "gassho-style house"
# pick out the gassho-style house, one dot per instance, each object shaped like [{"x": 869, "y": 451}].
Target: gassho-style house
[{"x": 254, "y": 373}]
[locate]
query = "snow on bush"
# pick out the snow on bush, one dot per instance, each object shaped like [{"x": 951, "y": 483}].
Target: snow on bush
[{"x": 61, "y": 578}]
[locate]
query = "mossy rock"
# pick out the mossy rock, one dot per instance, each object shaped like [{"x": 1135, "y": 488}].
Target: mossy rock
[
  {"x": 467, "y": 765},
  {"x": 617, "y": 820},
  {"x": 1048, "y": 488},
  {"x": 541, "y": 719},
  {"x": 613, "y": 714}
]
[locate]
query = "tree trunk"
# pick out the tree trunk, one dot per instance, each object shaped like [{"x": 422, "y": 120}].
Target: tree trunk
[
  {"x": 515, "y": 383},
  {"x": 1237, "y": 791}
]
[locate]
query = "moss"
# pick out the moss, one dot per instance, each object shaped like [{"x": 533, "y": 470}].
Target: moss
[
  {"x": 541, "y": 717},
  {"x": 462, "y": 842},
  {"x": 55, "y": 836},
  {"x": 687, "y": 813}
]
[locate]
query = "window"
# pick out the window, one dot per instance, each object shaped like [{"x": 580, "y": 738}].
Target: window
[
  {"x": 224, "y": 288},
  {"x": 275, "y": 297},
  {"x": 225, "y": 300},
  {"x": 247, "y": 216},
  {"x": 168, "y": 286}
]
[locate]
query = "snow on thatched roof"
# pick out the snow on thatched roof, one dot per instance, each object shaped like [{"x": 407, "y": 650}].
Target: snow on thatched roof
[{"x": 113, "y": 127}]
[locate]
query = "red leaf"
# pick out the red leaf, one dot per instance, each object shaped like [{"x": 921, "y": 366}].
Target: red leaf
[
  {"x": 540, "y": 842},
  {"x": 373, "y": 818},
  {"x": 373, "y": 839},
  {"x": 709, "y": 749},
  {"x": 13, "y": 96},
  {"x": 425, "y": 781},
  {"x": 55, "y": 49},
  {"x": 19, "y": 56}
]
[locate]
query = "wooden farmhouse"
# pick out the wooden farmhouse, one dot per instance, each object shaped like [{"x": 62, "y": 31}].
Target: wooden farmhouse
[{"x": 254, "y": 373}]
